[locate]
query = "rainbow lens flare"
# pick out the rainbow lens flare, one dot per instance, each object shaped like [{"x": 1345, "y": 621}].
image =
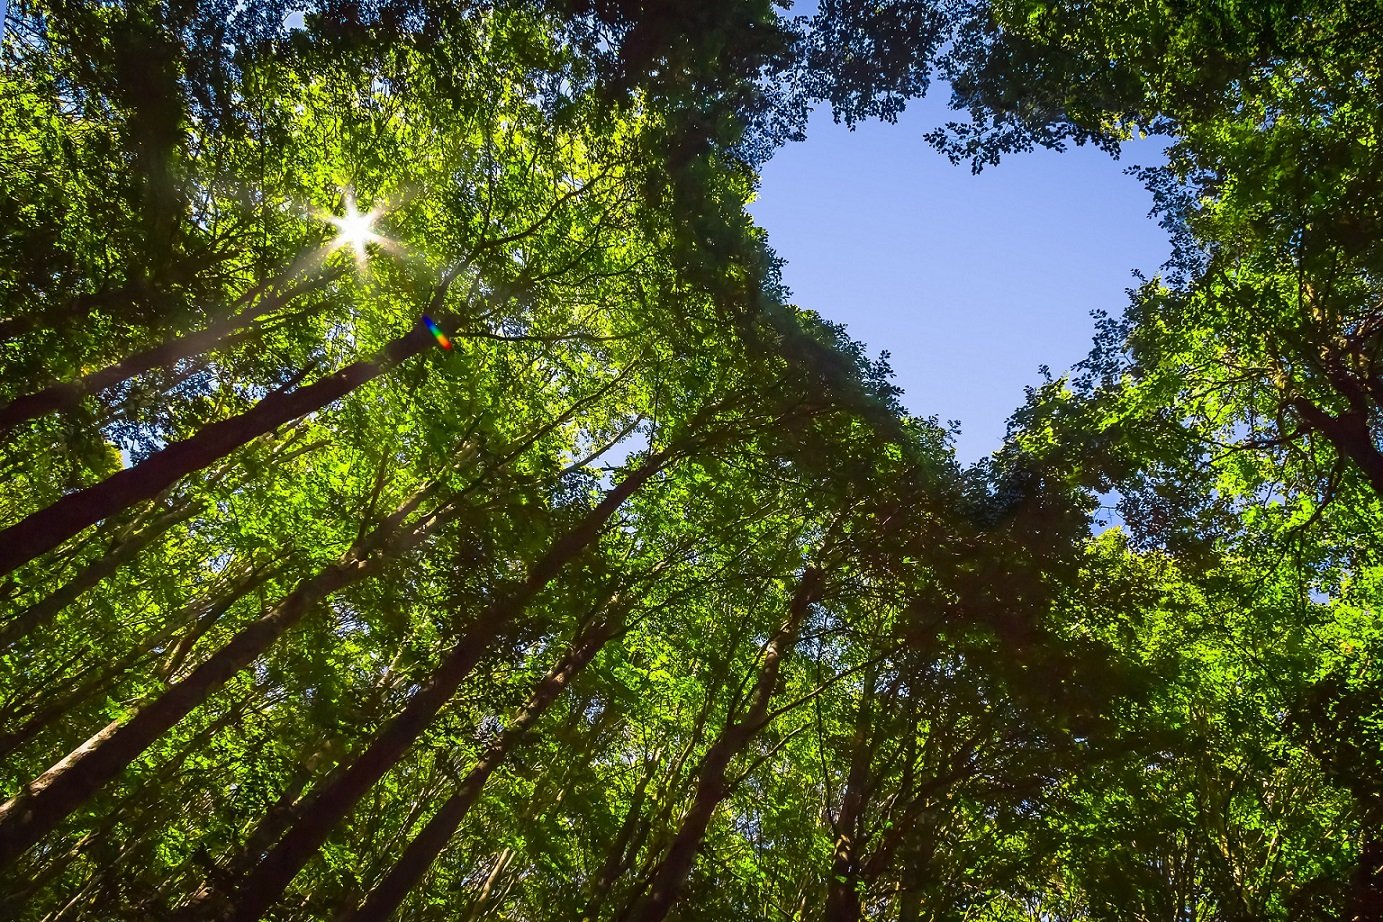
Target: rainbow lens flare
[{"x": 436, "y": 331}]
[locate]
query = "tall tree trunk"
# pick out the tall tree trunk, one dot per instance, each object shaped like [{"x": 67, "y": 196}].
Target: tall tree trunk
[
  {"x": 266, "y": 883},
  {"x": 616, "y": 860},
  {"x": 842, "y": 894},
  {"x": 712, "y": 785},
  {"x": 208, "y": 615},
  {"x": 323, "y": 759},
  {"x": 502, "y": 862},
  {"x": 202, "y": 615},
  {"x": 909, "y": 904},
  {"x": 667, "y": 791},
  {"x": 47, "y": 528},
  {"x": 44, "y": 610},
  {"x": 13, "y": 901},
  {"x": 1366, "y": 892},
  {"x": 67, "y": 394},
  {"x": 49, "y": 799},
  {"x": 384, "y": 899}
]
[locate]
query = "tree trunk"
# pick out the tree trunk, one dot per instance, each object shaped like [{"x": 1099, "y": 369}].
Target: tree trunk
[
  {"x": 203, "y": 615},
  {"x": 712, "y": 786},
  {"x": 1366, "y": 893},
  {"x": 1349, "y": 433},
  {"x": 615, "y": 857},
  {"x": 150, "y": 789},
  {"x": 842, "y": 893},
  {"x": 47, "y": 528},
  {"x": 68, "y": 394},
  {"x": 49, "y": 799},
  {"x": 44, "y": 610},
  {"x": 266, "y": 883},
  {"x": 384, "y": 899},
  {"x": 502, "y": 862},
  {"x": 207, "y": 617}
]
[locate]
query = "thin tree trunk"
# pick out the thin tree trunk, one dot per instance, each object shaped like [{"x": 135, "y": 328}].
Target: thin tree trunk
[
  {"x": 842, "y": 894},
  {"x": 712, "y": 785},
  {"x": 47, "y": 528},
  {"x": 909, "y": 904},
  {"x": 67, "y": 394},
  {"x": 151, "y": 788},
  {"x": 616, "y": 861},
  {"x": 263, "y": 886},
  {"x": 43, "y": 611},
  {"x": 49, "y": 799},
  {"x": 670, "y": 784},
  {"x": 502, "y": 861},
  {"x": 211, "y": 614},
  {"x": 384, "y": 899},
  {"x": 204, "y": 614}
]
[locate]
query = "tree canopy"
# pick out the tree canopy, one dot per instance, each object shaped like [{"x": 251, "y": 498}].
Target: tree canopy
[{"x": 636, "y": 594}]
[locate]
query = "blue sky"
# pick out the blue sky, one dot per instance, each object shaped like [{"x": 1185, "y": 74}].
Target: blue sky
[{"x": 971, "y": 282}]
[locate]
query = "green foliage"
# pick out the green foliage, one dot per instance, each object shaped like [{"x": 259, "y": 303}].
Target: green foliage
[{"x": 984, "y": 711}]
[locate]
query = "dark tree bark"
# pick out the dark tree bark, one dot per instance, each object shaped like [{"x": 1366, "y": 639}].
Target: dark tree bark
[
  {"x": 201, "y": 615},
  {"x": 166, "y": 355},
  {"x": 266, "y": 883},
  {"x": 149, "y": 791},
  {"x": 1366, "y": 892},
  {"x": 712, "y": 785},
  {"x": 1349, "y": 433},
  {"x": 388, "y": 894},
  {"x": 206, "y": 616},
  {"x": 842, "y": 893},
  {"x": 49, "y": 799},
  {"x": 47, "y": 528}
]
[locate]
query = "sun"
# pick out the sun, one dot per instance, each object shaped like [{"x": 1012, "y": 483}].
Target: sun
[{"x": 354, "y": 229}]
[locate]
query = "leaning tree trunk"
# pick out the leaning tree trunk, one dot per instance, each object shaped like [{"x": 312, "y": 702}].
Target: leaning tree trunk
[
  {"x": 1349, "y": 433},
  {"x": 266, "y": 883},
  {"x": 54, "y": 708},
  {"x": 49, "y": 527},
  {"x": 90, "y": 576},
  {"x": 49, "y": 799},
  {"x": 616, "y": 860},
  {"x": 712, "y": 785},
  {"x": 67, "y": 394},
  {"x": 14, "y": 902},
  {"x": 384, "y": 899}
]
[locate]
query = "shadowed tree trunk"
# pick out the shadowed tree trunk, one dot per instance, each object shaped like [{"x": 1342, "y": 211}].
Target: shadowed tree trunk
[
  {"x": 1349, "y": 433},
  {"x": 49, "y": 527},
  {"x": 1366, "y": 892},
  {"x": 90, "y": 576},
  {"x": 49, "y": 799},
  {"x": 712, "y": 785},
  {"x": 384, "y": 899},
  {"x": 196, "y": 619},
  {"x": 166, "y": 355},
  {"x": 616, "y": 857},
  {"x": 148, "y": 791},
  {"x": 842, "y": 894}
]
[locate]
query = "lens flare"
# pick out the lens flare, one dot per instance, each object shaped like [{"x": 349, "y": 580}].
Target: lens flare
[{"x": 436, "y": 331}]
